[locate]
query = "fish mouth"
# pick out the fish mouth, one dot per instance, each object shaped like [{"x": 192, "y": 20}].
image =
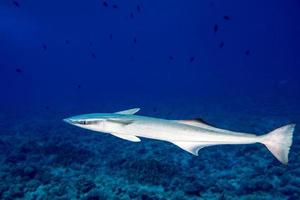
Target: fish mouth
[{"x": 68, "y": 120}]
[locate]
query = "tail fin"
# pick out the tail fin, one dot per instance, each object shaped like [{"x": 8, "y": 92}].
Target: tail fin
[{"x": 279, "y": 142}]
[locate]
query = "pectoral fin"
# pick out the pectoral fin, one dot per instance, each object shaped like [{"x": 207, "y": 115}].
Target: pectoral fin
[
  {"x": 196, "y": 122},
  {"x": 191, "y": 147},
  {"x": 120, "y": 121},
  {"x": 131, "y": 138}
]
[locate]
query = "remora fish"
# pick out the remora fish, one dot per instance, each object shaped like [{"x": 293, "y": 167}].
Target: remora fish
[{"x": 189, "y": 135}]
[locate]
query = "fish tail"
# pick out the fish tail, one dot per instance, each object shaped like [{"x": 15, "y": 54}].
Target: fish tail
[{"x": 279, "y": 142}]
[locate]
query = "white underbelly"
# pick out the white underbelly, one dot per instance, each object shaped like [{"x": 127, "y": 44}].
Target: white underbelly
[{"x": 174, "y": 132}]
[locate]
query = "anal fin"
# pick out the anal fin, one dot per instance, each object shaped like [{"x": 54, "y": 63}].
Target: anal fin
[
  {"x": 131, "y": 138},
  {"x": 191, "y": 147}
]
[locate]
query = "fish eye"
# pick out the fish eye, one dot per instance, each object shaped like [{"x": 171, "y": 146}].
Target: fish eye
[
  {"x": 81, "y": 122},
  {"x": 88, "y": 122}
]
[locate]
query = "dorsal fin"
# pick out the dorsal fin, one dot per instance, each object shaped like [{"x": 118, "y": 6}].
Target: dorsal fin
[
  {"x": 202, "y": 124},
  {"x": 201, "y": 121},
  {"x": 128, "y": 112}
]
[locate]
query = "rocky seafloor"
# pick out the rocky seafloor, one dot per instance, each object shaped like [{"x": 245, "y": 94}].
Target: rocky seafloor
[{"x": 43, "y": 158}]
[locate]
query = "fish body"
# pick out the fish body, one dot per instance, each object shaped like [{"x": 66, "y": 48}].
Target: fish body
[{"x": 189, "y": 135}]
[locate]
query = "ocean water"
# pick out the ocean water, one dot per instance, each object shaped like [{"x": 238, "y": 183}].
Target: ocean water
[{"x": 235, "y": 64}]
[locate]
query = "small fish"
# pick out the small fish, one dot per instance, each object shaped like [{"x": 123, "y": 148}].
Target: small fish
[
  {"x": 110, "y": 36},
  {"x": 216, "y": 28},
  {"x": 247, "y": 52},
  {"x": 78, "y": 86},
  {"x": 221, "y": 45},
  {"x": 19, "y": 70},
  {"x": 226, "y": 17},
  {"x": 105, "y": 4},
  {"x": 16, "y": 4},
  {"x": 138, "y": 8},
  {"x": 131, "y": 16},
  {"x": 93, "y": 55},
  {"x": 283, "y": 82},
  {"x": 192, "y": 59},
  {"x": 189, "y": 135},
  {"x": 115, "y": 6},
  {"x": 45, "y": 47},
  {"x": 134, "y": 40}
]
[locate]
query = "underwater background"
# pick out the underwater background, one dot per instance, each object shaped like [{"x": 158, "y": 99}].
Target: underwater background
[{"x": 233, "y": 63}]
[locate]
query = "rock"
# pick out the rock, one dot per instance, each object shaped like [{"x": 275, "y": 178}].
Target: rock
[
  {"x": 30, "y": 172},
  {"x": 96, "y": 195},
  {"x": 3, "y": 187},
  {"x": 16, "y": 158},
  {"x": 16, "y": 192},
  {"x": 194, "y": 189},
  {"x": 84, "y": 184}
]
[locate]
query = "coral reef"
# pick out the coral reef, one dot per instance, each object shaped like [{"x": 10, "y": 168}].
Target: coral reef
[{"x": 42, "y": 159}]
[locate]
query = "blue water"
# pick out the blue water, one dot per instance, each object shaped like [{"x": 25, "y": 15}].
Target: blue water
[{"x": 235, "y": 64}]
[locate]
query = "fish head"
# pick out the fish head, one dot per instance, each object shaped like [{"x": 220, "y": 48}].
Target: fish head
[
  {"x": 103, "y": 122},
  {"x": 95, "y": 122}
]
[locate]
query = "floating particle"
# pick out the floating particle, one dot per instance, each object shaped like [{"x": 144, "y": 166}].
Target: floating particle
[
  {"x": 247, "y": 52},
  {"x": 216, "y": 28},
  {"x": 19, "y": 70},
  {"x": 134, "y": 40},
  {"x": 16, "y": 4},
  {"x": 192, "y": 59},
  {"x": 115, "y": 6},
  {"x": 47, "y": 107},
  {"x": 283, "y": 82},
  {"x": 67, "y": 42},
  {"x": 110, "y": 36},
  {"x": 171, "y": 57},
  {"x": 221, "y": 45},
  {"x": 93, "y": 55},
  {"x": 105, "y": 4},
  {"x": 138, "y": 8},
  {"x": 78, "y": 86},
  {"x": 226, "y": 17},
  {"x": 45, "y": 47},
  {"x": 90, "y": 44}
]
